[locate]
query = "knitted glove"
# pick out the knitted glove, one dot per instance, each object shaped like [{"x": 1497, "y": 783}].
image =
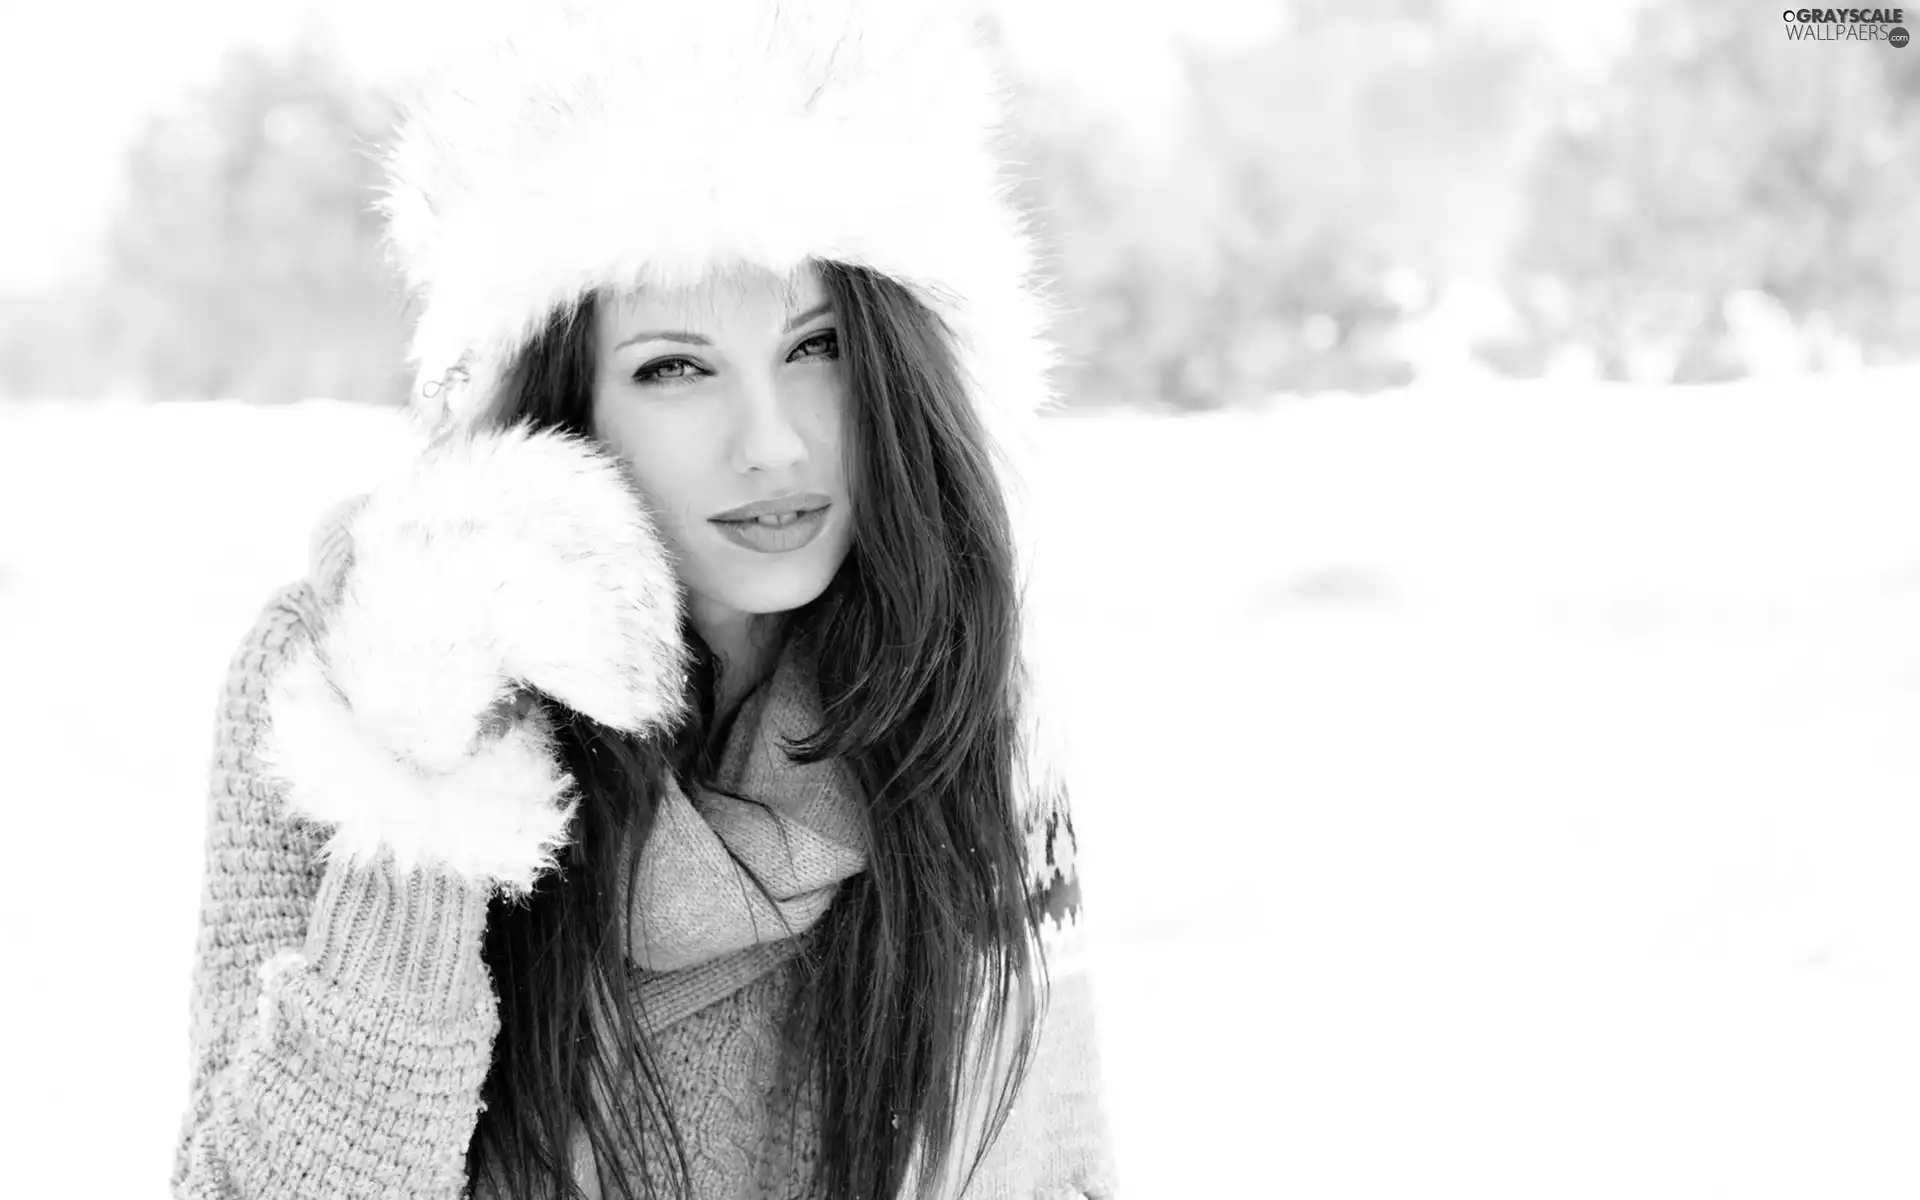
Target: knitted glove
[{"x": 501, "y": 562}]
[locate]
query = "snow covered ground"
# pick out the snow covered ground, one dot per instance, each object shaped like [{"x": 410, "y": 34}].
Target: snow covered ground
[{"x": 1498, "y": 794}]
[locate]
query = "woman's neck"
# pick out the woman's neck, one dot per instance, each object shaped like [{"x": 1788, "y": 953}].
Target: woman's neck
[{"x": 745, "y": 647}]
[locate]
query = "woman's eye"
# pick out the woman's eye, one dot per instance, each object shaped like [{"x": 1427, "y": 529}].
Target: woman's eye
[
  {"x": 825, "y": 344},
  {"x": 666, "y": 370}
]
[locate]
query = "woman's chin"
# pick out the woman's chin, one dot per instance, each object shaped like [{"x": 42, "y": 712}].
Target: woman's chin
[
  {"x": 749, "y": 581},
  {"x": 779, "y": 585},
  {"x": 773, "y": 595}
]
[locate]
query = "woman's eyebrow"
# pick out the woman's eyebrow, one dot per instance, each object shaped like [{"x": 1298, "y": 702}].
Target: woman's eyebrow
[
  {"x": 665, "y": 335},
  {"x": 698, "y": 339},
  {"x": 817, "y": 310}
]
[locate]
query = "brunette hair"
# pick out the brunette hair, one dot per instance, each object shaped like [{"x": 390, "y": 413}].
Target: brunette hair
[{"x": 924, "y": 957}]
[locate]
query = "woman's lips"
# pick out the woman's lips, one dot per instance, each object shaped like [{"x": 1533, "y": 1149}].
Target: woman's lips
[
  {"x": 775, "y": 534},
  {"x": 802, "y": 502}
]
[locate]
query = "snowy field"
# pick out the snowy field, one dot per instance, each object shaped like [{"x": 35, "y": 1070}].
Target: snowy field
[{"x": 1507, "y": 794}]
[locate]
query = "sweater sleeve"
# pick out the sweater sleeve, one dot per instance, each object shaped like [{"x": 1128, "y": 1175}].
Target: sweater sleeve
[
  {"x": 1056, "y": 1143},
  {"x": 342, "y": 1020}
]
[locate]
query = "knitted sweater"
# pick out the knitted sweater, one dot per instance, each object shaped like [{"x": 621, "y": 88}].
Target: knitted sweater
[{"x": 343, "y": 1020}]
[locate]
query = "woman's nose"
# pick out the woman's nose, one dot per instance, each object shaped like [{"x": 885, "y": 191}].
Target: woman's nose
[{"x": 767, "y": 438}]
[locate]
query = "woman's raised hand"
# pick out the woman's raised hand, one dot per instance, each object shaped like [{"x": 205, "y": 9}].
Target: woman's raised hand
[{"x": 503, "y": 564}]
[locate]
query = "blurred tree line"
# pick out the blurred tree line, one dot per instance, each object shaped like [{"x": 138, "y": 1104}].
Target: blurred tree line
[
  {"x": 1730, "y": 202},
  {"x": 1380, "y": 190},
  {"x": 242, "y": 259}
]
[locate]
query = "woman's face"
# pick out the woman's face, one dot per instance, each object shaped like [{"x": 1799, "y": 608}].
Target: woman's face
[{"x": 728, "y": 401}]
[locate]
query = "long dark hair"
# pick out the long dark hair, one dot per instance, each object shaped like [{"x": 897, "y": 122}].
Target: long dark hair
[{"x": 922, "y": 959}]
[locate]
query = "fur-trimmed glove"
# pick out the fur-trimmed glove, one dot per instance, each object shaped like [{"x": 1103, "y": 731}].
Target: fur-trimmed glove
[{"x": 502, "y": 561}]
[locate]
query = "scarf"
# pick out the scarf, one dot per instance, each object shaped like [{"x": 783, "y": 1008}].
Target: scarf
[{"x": 797, "y": 829}]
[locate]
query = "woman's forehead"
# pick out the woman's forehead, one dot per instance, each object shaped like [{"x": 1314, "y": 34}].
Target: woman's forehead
[{"x": 736, "y": 296}]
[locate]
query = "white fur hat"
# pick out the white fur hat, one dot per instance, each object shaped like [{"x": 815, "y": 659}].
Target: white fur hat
[
  {"x": 564, "y": 146},
  {"x": 570, "y": 145}
]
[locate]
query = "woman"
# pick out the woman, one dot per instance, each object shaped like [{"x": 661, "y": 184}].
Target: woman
[{"x": 647, "y": 792}]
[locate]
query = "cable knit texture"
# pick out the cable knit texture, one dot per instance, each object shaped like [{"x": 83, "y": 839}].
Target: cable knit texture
[{"x": 343, "y": 1020}]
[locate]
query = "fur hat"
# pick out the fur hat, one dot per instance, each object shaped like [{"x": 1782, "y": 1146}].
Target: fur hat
[
  {"x": 566, "y": 146},
  {"x": 572, "y": 145}
]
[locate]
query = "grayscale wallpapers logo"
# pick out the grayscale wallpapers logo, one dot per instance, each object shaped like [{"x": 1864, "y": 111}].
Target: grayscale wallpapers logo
[{"x": 1846, "y": 25}]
